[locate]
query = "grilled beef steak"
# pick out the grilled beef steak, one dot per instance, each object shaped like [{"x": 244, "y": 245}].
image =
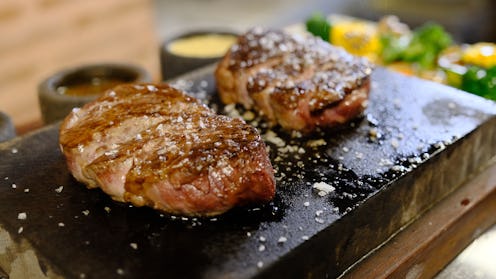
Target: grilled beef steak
[
  {"x": 153, "y": 145},
  {"x": 298, "y": 82}
]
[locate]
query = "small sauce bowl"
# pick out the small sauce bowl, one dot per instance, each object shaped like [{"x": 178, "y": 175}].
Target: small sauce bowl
[
  {"x": 7, "y": 130},
  {"x": 74, "y": 87},
  {"x": 192, "y": 50}
]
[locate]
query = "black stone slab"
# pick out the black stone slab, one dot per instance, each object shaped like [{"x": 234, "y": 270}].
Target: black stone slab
[{"x": 430, "y": 138}]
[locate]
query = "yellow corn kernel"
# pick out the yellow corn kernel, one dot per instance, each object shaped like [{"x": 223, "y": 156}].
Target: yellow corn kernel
[
  {"x": 359, "y": 38},
  {"x": 480, "y": 54}
]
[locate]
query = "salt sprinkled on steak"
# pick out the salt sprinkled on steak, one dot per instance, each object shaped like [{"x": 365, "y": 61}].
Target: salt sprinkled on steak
[
  {"x": 298, "y": 82},
  {"x": 154, "y": 145}
]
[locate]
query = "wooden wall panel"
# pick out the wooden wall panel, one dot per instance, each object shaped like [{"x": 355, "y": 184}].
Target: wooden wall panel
[{"x": 40, "y": 37}]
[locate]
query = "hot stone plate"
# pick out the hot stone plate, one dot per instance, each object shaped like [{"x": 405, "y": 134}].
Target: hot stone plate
[{"x": 340, "y": 194}]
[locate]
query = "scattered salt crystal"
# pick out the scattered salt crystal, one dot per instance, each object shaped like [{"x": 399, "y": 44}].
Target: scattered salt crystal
[
  {"x": 20, "y": 230},
  {"x": 86, "y": 212},
  {"x": 120, "y": 271},
  {"x": 61, "y": 224},
  {"x": 260, "y": 264},
  {"x": 248, "y": 234},
  {"x": 282, "y": 239},
  {"x": 261, "y": 248},
  {"x": 373, "y": 132},
  {"x": 134, "y": 245},
  {"x": 319, "y": 212},
  {"x": 395, "y": 143},
  {"x": 272, "y": 137},
  {"x": 316, "y": 143},
  {"x": 346, "y": 149},
  {"x": 22, "y": 216},
  {"x": 59, "y": 189},
  {"x": 319, "y": 220},
  {"x": 248, "y": 115},
  {"x": 14, "y": 186},
  {"x": 262, "y": 239},
  {"x": 106, "y": 208},
  {"x": 304, "y": 237},
  {"x": 14, "y": 150},
  {"x": 306, "y": 204},
  {"x": 323, "y": 188},
  {"x": 151, "y": 88},
  {"x": 397, "y": 103},
  {"x": 26, "y": 190}
]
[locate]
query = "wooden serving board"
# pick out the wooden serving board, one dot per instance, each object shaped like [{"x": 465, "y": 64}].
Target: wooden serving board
[{"x": 429, "y": 139}]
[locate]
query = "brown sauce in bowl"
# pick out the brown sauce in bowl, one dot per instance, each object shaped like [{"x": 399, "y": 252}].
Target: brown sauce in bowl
[{"x": 95, "y": 86}]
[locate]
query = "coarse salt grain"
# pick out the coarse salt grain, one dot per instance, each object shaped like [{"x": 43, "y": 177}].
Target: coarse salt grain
[
  {"x": 20, "y": 230},
  {"x": 261, "y": 248},
  {"x": 395, "y": 143},
  {"x": 272, "y": 137},
  {"x": 85, "y": 212},
  {"x": 282, "y": 239},
  {"x": 22, "y": 216},
  {"x": 323, "y": 188},
  {"x": 260, "y": 264},
  {"x": 14, "y": 186},
  {"x": 26, "y": 190},
  {"x": 14, "y": 150},
  {"x": 306, "y": 204},
  {"x": 316, "y": 143},
  {"x": 61, "y": 224},
  {"x": 319, "y": 220},
  {"x": 262, "y": 239},
  {"x": 134, "y": 245},
  {"x": 107, "y": 209},
  {"x": 59, "y": 189}
]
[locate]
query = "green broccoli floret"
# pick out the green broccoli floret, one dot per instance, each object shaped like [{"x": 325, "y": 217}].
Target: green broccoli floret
[
  {"x": 480, "y": 82},
  {"x": 319, "y": 26},
  {"x": 423, "y": 48}
]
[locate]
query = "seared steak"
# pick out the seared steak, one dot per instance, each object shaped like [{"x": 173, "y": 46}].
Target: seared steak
[
  {"x": 298, "y": 82},
  {"x": 153, "y": 145}
]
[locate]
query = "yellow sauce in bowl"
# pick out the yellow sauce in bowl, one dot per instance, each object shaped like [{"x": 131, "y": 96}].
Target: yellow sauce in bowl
[{"x": 202, "y": 46}]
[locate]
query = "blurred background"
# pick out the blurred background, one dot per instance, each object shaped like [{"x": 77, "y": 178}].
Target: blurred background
[
  {"x": 40, "y": 37},
  {"x": 468, "y": 20}
]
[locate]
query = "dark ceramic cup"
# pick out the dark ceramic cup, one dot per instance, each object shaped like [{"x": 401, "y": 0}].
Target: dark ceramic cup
[
  {"x": 53, "y": 93},
  {"x": 174, "y": 65},
  {"x": 7, "y": 130}
]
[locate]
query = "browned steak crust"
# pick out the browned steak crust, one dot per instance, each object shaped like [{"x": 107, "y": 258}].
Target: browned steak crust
[
  {"x": 298, "y": 82},
  {"x": 154, "y": 145}
]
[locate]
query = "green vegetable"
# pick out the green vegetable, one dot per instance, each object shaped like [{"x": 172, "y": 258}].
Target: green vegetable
[
  {"x": 319, "y": 26},
  {"x": 423, "y": 48},
  {"x": 480, "y": 82},
  {"x": 393, "y": 48}
]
